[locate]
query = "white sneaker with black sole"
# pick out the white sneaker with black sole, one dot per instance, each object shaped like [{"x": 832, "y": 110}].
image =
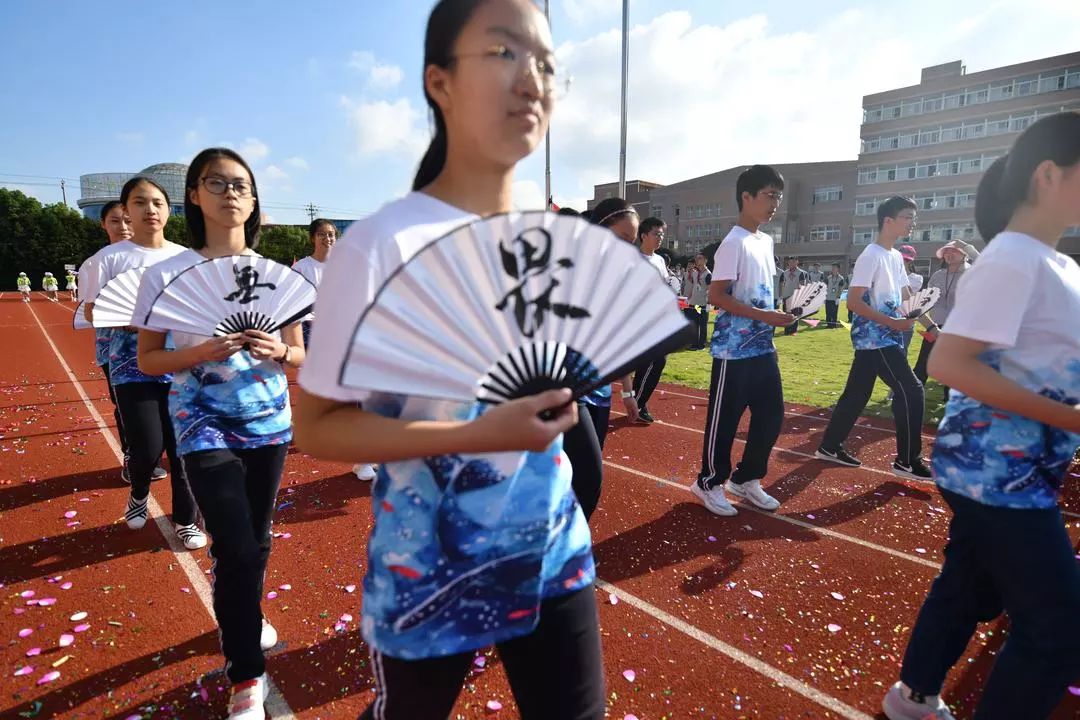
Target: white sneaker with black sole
[
  {"x": 917, "y": 470},
  {"x": 714, "y": 500},
  {"x": 902, "y": 704},
  {"x": 159, "y": 473},
  {"x": 192, "y": 537},
  {"x": 136, "y": 512},
  {"x": 838, "y": 456},
  {"x": 752, "y": 492},
  {"x": 365, "y": 472},
  {"x": 268, "y": 635}
]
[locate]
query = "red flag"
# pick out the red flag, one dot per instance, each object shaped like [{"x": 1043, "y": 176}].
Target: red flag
[{"x": 552, "y": 205}]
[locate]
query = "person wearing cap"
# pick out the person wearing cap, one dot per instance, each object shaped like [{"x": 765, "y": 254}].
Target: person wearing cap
[
  {"x": 957, "y": 256},
  {"x": 23, "y": 283}
]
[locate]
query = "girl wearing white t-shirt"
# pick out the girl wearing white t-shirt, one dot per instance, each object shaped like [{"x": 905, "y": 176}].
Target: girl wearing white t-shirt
[
  {"x": 477, "y": 538},
  {"x": 1011, "y": 353}
]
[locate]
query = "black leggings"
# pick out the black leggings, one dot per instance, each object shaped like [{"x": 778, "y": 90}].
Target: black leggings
[
  {"x": 645, "y": 380},
  {"x": 116, "y": 412},
  {"x": 584, "y": 447},
  {"x": 144, "y": 410},
  {"x": 237, "y": 491},
  {"x": 555, "y": 672}
]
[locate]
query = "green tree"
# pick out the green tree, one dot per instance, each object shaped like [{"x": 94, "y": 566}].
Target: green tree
[
  {"x": 35, "y": 238},
  {"x": 176, "y": 230},
  {"x": 284, "y": 243}
]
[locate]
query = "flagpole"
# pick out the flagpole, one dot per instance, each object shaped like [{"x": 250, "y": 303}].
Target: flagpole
[
  {"x": 625, "y": 72},
  {"x": 547, "y": 140}
]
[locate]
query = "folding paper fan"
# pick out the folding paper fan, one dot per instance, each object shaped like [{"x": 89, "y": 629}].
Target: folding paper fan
[
  {"x": 79, "y": 321},
  {"x": 920, "y": 303},
  {"x": 512, "y": 305},
  {"x": 807, "y": 299},
  {"x": 114, "y": 305},
  {"x": 230, "y": 295}
]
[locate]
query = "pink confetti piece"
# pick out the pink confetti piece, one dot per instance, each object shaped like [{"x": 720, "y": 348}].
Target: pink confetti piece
[
  {"x": 837, "y": 596},
  {"x": 338, "y": 627},
  {"x": 70, "y": 514},
  {"x": 712, "y": 538},
  {"x": 27, "y": 669},
  {"x": 48, "y": 677},
  {"x": 74, "y": 523},
  {"x": 630, "y": 717},
  {"x": 480, "y": 661},
  {"x": 286, "y": 586},
  {"x": 66, "y": 640},
  {"x": 1074, "y": 690},
  {"x": 81, "y": 628},
  {"x": 45, "y": 602},
  {"x": 350, "y": 588},
  {"x": 346, "y": 617},
  {"x": 271, "y": 595},
  {"x": 757, "y": 593},
  {"x": 494, "y": 705},
  {"x": 27, "y": 594},
  {"x": 789, "y": 648},
  {"x": 811, "y": 517},
  {"x": 67, "y": 586},
  {"x": 921, "y": 551},
  {"x": 613, "y": 598},
  {"x": 81, "y": 615},
  {"x": 630, "y": 675},
  {"x": 33, "y": 652},
  {"x": 18, "y": 611},
  {"x": 833, "y": 628},
  {"x": 26, "y": 632}
]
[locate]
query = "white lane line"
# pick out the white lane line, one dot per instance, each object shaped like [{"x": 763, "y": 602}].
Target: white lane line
[
  {"x": 777, "y": 676},
  {"x": 789, "y": 413},
  {"x": 791, "y": 521},
  {"x": 864, "y": 468},
  {"x": 275, "y": 702}
]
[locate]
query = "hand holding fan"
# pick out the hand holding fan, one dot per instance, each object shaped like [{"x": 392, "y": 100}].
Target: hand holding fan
[
  {"x": 920, "y": 303},
  {"x": 510, "y": 306},
  {"x": 115, "y": 304},
  {"x": 807, "y": 300},
  {"x": 230, "y": 295}
]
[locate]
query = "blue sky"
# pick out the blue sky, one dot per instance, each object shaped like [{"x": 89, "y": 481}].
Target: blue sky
[{"x": 324, "y": 98}]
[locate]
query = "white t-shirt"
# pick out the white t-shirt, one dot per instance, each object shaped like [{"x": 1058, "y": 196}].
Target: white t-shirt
[
  {"x": 658, "y": 262},
  {"x": 310, "y": 268},
  {"x": 882, "y": 272},
  {"x": 915, "y": 282},
  {"x": 1023, "y": 298},
  {"x": 746, "y": 258},
  {"x": 110, "y": 261}
]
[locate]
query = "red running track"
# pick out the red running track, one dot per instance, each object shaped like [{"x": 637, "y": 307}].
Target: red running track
[{"x": 801, "y": 614}]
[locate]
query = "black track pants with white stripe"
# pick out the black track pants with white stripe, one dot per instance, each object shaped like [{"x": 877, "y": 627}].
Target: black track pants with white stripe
[
  {"x": 889, "y": 364},
  {"x": 645, "y": 380},
  {"x": 736, "y": 386}
]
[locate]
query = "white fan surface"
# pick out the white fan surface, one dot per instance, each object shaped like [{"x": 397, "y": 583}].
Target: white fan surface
[
  {"x": 513, "y": 305},
  {"x": 232, "y": 294},
  {"x": 114, "y": 305},
  {"x": 808, "y": 299},
  {"x": 920, "y": 303},
  {"x": 79, "y": 321}
]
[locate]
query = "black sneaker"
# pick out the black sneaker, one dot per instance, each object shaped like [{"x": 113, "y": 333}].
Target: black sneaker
[
  {"x": 917, "y": 470},
  {"x": 645, "y": 417},
  {"x": 838, "y": 456}
]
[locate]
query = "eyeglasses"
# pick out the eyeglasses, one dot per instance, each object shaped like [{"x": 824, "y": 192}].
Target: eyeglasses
[
  {"x": 326, "y": 235},
  {"x": 776, "y": 197},
  {"x": 553, "y": 83},
  {"x": 217, "y": 186}
]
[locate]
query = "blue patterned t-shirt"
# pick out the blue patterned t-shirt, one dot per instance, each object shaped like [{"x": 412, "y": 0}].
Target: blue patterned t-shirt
[
  {"x": 1023, "y": 298},
  {"x": 882, "y": 273},
  {"x": 238, "y": 403},
  {"x": 464, "y": 548},
  {"x": 746, "y": 259}
]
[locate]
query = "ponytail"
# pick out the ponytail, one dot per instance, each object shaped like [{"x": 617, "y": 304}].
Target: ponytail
[
  {"x": 435, "y": 157},
  {"x": 992, "y": 211}
]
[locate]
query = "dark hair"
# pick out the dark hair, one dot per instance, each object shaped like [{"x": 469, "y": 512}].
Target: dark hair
[
  {"x": 1006, "y": 185},
  {"x": 196, "y": 223},
  {"x": 756, "y": 178},
  {"x": 107, "y": 208},
  {"x": 610, "y": 211},
  {"x": 318, "y": 223},
  {"x": 648, "y": 225},
  {"x": 448, "y": 18},
  {"x": 836, "y": 265},
  {"x": 135, "y": 182},
  {"x": 568, "y": 211},
  {"x": 893, "y": 207}
]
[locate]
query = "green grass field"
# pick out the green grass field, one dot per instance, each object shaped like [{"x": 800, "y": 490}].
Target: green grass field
[{"x": 814, "y": 365}]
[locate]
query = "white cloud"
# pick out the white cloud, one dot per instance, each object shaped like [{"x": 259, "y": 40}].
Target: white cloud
[
  {"x": 379, "y": 76},
  {"x": 707, "y": 97},
  {"x": 254, "y": 150},
  {"x": 130, "y": 137},
  {"x": 192, "y": 137},
  {"x": 581, "y": 10},
  {"x": 273, "y": 173},
  {"x": 298, "y": 163},
  {"x": 528, "y": 195},
  {"x": 383, "y": 127}
]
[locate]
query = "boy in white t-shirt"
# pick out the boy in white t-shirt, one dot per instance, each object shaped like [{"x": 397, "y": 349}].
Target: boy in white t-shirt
[
  {"x": 745, "y": 374},
  {"x": 879, "y": 285},
  {"x": 650, "y": 235}
]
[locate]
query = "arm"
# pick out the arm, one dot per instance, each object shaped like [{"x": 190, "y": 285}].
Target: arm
[
  {"x": 955, "y": 363},
  {"x": 970, "y": 251},
  {"x": 858, "y": 306},
  {"x": 335, "y": 430},
  {"x": 722, "y": 299},
  {"x": 630, "y": 403}
]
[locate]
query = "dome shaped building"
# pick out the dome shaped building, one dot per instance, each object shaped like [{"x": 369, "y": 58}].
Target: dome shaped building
[{"x": 97, "y": 189}]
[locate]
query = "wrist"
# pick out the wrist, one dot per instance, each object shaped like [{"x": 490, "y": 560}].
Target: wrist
[
  {"x": 626, "y": 394},
  {"x": 286, "y": 356}
]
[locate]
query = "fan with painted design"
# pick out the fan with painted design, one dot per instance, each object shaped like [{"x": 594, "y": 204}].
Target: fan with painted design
[
  {"x": 920, "y": 303},
  {"x": 807, "y": 300},
  {"x": 510, "y": 306},
  {"x": 115, "y": 304},
  {"x": 231, "y": 294}
]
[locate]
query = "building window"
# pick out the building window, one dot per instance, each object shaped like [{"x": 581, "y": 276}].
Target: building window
[
  {"x": 658, "y": 211},
  {"x": 831, "y": 193},
  {"x": 821, "y": 233}
]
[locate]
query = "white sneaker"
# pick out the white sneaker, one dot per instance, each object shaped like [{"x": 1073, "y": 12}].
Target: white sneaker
[
  {"x": 898, "y": 705},
  {"x": 365, "y": 472},
  {"x": 159, "y": 474},
  {"x": 136, "y": 512},
  {"x": 246, "y": 702},
  {"x": 268, "y": 636},
  {"x": 714, "y": 500},
  {"x": 192, "y": 537},
  {"x": 751, "y": 490}
]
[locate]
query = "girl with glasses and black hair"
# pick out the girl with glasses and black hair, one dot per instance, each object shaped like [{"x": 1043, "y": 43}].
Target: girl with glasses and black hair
[
  {"x": 478, "y": 538},
  {"x": 230, "y": 407}
]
